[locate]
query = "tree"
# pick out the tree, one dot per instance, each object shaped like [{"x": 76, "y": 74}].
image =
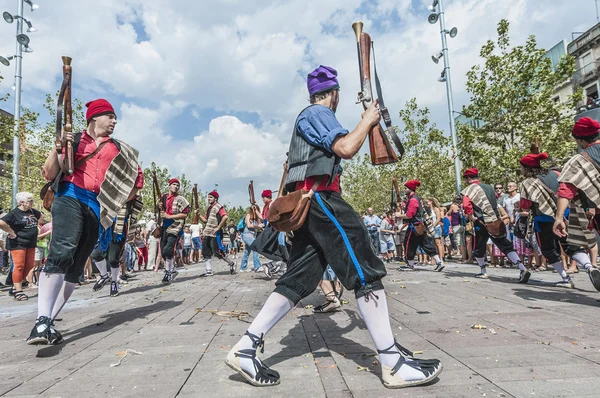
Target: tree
[
  {"x": 427, "y": 158},
  {"x": 512, "y": 95}
]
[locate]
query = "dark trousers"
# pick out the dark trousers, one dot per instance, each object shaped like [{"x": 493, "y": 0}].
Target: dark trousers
[
  {"x": 480, "y": 242},
  {"x": 167, "y": 245},
  {"x": 74, "y": 235},
  {"x": 210, "y": 248},
  {"x": 332, "y": 234},
  {"x": 550, "y": 243},
  {"x": 412, "y": 242},
  {"x": 112, "y": 255},
  {"x": 374, "y": 235}
]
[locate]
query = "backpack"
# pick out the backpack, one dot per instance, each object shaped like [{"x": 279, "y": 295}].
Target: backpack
[{"x": 241, "y": 225}]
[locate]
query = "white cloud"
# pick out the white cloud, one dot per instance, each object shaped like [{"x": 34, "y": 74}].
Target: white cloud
[{"x": 252, "y": 56}]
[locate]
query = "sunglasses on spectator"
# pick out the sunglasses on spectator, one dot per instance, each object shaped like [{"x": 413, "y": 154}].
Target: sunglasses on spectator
[{"x": 498, "y": 187}]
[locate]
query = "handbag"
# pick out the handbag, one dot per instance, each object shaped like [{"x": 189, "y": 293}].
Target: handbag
[
  {"x": 420, "y": 229},
  {"x": 49, "y": 189},
  {"x": 288, "y": 213},
  {"x": 496, "y": 229}
]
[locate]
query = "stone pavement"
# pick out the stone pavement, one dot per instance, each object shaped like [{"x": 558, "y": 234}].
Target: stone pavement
[{"x": 539, "y": 341}]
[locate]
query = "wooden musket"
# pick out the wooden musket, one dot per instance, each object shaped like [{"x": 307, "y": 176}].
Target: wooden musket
[
  {"x": 65, "y": 124},
  {"x": 195, "y": 205},
  {"x": 157, "y": 206}
]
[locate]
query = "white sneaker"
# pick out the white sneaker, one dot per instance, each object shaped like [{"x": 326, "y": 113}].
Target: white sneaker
[{"x": 260, "y": 269}]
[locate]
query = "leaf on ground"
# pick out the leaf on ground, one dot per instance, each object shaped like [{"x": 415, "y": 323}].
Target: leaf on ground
[
  {"x": 479, "y": 326},
  {"x": 364, "y": 368}
]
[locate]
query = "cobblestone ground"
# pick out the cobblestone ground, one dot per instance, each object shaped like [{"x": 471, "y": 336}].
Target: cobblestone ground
[{"x": 538, "y": 340}]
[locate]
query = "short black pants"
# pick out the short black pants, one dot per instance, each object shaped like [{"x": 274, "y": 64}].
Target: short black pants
[
  {"x": 412, "y": 241},
  {"x": 332, "y": 234},
  {"x": 480, "y": 242},
  {"x": 210, "y": 248},
  {"x": 167, "y": 245},
  {"x": 112, "y": 255},
  {"x": 74, "y": 235},
  {"x": 550, "y": 243}
]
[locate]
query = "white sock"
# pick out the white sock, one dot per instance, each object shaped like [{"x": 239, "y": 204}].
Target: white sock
[
  {"x": 208, "y": 265},
  {"x": 374, "y": 312},
  {"x": 583, "y": 259},
  {"x": 437, "y": 259},
  {"x": 63, "y": 297},
  {"x": 101, "y": 265},
  {"x": 514, "y": 258},
  {"x": 169, "y": 264},
  {"x": 48, "y": 291},
  {"x": 275, "y": 308},
  {"x": 114, "y": 274},
  {"x": 560, "y": 268},
  {"x": 481, "y": 262}
]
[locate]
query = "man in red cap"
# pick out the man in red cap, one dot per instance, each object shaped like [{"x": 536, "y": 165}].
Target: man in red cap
[
  {"x": 580, "y": 184},
  {"x": 538, "y": 195},
  {"x": 332, "y": 234},
  {"x": 216, "y": 217},
  {"x": 480, "y": 205},
  {"x": 85, "y": 211},
  {"x": 416, "y": 234},
  {"x": 267, "y": 197},
  {"x": 174, "y": 210}
]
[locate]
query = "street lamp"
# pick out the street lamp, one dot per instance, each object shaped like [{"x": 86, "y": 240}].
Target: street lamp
[
  {"x": 22, "y": 46},
  {"x": 437, "y": 9}
]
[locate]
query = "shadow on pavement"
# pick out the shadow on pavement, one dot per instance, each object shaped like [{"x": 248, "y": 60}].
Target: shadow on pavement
[{"x": 108, "y": 322}]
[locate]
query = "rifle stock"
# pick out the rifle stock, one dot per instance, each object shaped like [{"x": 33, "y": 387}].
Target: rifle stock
[
  {"x": 195, "y": 205},
  {"x": 379, "y": 145},
  {"x": 157, "y": 206},
  {"x": 65, "y": 124}
]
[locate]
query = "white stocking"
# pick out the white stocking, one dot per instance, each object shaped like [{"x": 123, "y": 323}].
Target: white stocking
[
  {"x": 514, "y": 258},
  {"x": 114, "y": 274},
  {"x": 582, "y": 259},
  {"x": 63, "y": 297},
  {"x": 101, "y": 265},
  {"x": 49, "y": 288}
]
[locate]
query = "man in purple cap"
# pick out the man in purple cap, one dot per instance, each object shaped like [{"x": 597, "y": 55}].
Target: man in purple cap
[{"x": 332, "y": 234}]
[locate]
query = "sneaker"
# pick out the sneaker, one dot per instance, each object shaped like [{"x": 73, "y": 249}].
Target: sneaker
[
  {"x": 260, "y": 269},
  {"x": 54, "y": 337},
  {"x": 101, "y": 282},
  {"x": 232, "y": 268},
  {"x": 568, "y": 284},
  {"x": 439, "y": 267},
  {"x": 114, "y": 289},
  {"x": 328, "y": 306},
  {"x": 594, "y": 275},
  {"x": 481, "y": 275},
  {"x": 166, "y": 278},
  {"x": 41, "y": 331},
  {"x": 208, "y": 272},
  {"x": 524, "y": 276},
  {"x": 174, "y": 274},
  {"x": 271, "y": 269}
]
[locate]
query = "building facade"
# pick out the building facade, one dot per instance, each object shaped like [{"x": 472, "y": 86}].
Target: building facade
[{"x": 586, "y": 50}]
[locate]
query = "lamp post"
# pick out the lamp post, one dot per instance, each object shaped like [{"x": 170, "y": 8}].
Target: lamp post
[
  {"x": 22, "y": 46},
  {"x": 445, "y": 77}
]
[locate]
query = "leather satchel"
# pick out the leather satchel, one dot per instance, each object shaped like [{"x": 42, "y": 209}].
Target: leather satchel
[
  {"x": 496, "y": 229},
  {"x": 49, "y": 189},
  {"x": 288, "y": 213},
  {"x": 420, "y": 229}
]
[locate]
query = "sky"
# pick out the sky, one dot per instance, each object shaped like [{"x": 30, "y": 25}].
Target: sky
[{"x": 212, "y": 88}]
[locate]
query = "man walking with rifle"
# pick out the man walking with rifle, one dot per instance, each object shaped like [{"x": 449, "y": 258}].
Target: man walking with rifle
[
  {"x": 216, "y": 217},
  {"x": 105, "y": 176}
]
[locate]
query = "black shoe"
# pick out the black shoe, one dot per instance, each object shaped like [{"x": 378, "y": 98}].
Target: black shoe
[
  {"x": 594, "y": 275},
  {"x": 114, "y": 289},
  {"x": 524, "y": 276},
  {"x": 40, "y": 334},
  {"x": 101, "y": 282},
  {"x": 439, "y": 267},
  {"x": 54, "y": 337},
  {"x": 232, "y": 267},
  {"x": 167, "y": 277},
  {"x": 174, "y": 274}
]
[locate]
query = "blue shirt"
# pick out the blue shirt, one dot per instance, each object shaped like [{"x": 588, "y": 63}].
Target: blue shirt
[
  {"x": 318, "y": 125},
  {"x": 372, "y": 220},
  {"x": 447, "y": 226}
]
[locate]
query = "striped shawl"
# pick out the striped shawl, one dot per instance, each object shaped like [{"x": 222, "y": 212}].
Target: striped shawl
[
  {"x": 479, "y": 199},
  {"x": 118, "y": 183},
  {"x": 132, "y": 210},
  {"x": 179, "y": 205},
  {"x": 581, "y": 173},
  {"x": 532, "y": 189},
  {"x": 212, "y": 222}
]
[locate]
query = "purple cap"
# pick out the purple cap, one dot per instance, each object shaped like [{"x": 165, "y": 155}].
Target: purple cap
[{"x": 322, "y": 79}]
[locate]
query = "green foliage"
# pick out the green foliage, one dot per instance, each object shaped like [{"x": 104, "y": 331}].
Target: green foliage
[
  {"x": 427, "y": 159},
  {"x": 512, "y": 93}
]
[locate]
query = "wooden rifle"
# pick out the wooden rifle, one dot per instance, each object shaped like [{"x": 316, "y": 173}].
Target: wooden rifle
[
  {"x": 65, "y": 124},
  {"x": 158, "y": 206},
  {"x": 252, "y": 200},
  {"x": 379, "y": 144},
  {"x": 395, "y": 203},
  {"x": 195, "y": 204}
]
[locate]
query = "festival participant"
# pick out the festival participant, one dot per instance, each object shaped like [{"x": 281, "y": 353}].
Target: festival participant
[
  {"x": 106, "y": 176},
  {"x": 174, "y": 210},
  {"x": 479, "y": 204},
  {"x": 216, "y": 217},
  {"x": 267, "y": 197},
  {"x": 110, "y": 252},
  {"x": 580, "y": 187},
  {"x": 538, "y": 195},
  {"x": 317, "y": 146},
  {"x": 273, "y": 267},
  {"x": 416, "y": 233}
]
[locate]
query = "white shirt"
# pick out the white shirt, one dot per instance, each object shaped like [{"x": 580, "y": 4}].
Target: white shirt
[
  {"x": 195, "y": 230},
  {"x": 187, "y": 239},
  {"x": 509, "y": 204}
]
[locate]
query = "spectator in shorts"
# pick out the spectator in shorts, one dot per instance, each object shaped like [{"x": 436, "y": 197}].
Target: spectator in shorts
[
  {"x": 386, "y": 239},
  {"x": 195, "y": 230},
  {"x": 142, "y": 249},
  {"x": 187, "y": 244},
  {"x": 41, "y": 250},
  {"x": 458, "y": 229}
]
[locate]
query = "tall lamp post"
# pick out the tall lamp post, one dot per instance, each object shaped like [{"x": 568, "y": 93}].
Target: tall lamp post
[
  {"x": 22, "y": 46},
  {"x": 437, "y": 9}
]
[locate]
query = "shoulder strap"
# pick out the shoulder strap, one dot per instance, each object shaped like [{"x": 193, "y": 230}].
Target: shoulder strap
[
  {"x": 85, "y": 159},
  {"x": 589, "y": 159},
  {"x": 547, "y": 188}
]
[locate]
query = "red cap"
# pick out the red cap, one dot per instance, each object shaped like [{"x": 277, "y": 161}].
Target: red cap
[
  {"x": 412, "y": 184},
  {"x": 98, "y": 107},
  {"x": 472, "y": 172},
  {"x": 214, "y": 194},
  {"x": 533, "y": 159},
  {"x": 174, "y": 180},
  {"x": 267, "y": 194},
  {"x": 585, "y": 127}
]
